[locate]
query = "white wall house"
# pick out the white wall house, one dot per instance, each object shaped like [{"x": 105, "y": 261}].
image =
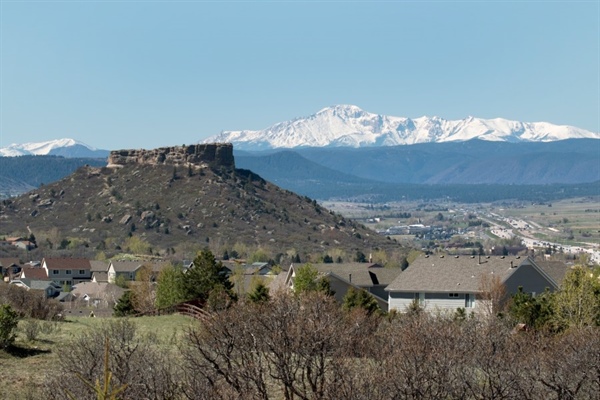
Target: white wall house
[{"x": 446, "y": 283}]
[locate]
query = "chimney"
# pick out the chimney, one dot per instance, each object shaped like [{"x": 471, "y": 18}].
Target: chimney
[{"x": 350, "y": 278}]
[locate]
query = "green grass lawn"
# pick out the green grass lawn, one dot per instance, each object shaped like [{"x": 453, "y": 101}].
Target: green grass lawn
[{"x": 24, "y": 367}]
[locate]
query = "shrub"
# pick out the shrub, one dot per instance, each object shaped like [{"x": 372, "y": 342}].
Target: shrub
[{"x": 9, "y": 319}]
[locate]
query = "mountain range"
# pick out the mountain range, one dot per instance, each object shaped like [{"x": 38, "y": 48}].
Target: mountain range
[
  {"x": 345, "y": 152},
  {"x": 350, "y": 126},
  {"x": 60, "y": 147}
]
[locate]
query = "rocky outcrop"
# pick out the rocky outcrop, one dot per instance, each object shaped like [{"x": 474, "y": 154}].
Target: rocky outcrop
[{"x": 214, "y": 155}]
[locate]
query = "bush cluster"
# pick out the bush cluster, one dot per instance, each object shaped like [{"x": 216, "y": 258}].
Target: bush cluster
[{"x": 307, "y": 347}]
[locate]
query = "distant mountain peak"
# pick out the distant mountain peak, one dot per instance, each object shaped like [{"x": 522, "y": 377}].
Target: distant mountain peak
[
  {"x": 65, "y": 147},
  {"x": 347, "y": 125}
]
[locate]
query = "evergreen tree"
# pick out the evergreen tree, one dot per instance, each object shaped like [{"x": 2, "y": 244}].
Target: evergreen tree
[
  {"x": 260, "y": 294},
  {"x": 324, "y": 287},
  {"x": 358, "y": 298},
  {"x": 168, "y": 290},
  {"x": 305, "y": 279},
  {"x": 9, "y": 319},
  {"x": 535, "y": 312},
  {"x": 124, "y": 306},
  {"x": 204, "y": 276},
  {"x": 577, "y": 303}
]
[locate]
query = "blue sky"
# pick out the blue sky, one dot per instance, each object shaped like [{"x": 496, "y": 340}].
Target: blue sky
[{"x": 136, "y": 74}]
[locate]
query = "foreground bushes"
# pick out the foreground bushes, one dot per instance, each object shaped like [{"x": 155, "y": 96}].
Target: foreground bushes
[
  {"x": 306, "y": 347},
  {"x": 29, "y": 303}
]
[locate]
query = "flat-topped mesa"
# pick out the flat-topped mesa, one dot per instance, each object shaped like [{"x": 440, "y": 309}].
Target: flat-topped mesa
[{"x": 212, "y": 154}]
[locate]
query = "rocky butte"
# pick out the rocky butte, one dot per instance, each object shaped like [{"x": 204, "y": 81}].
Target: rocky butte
[{"x": 218, "y": 155}]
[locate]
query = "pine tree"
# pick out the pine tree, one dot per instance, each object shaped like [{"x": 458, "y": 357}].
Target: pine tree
[{"x": 204, "y": 276}]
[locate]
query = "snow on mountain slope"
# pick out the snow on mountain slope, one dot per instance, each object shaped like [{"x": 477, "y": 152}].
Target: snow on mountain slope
[
  {"x": 61, "y": 146},
  {"x": 348, "y": 125}
]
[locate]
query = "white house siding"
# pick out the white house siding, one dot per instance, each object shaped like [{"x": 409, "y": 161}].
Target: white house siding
[
  {"x": 443, "y": 302},
  {"x": 400, "y": 301}
]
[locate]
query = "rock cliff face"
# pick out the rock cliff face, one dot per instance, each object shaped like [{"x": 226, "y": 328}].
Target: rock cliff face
[{"x": 213, "y": 154}]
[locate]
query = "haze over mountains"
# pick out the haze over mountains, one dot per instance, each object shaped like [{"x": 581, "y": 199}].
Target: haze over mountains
[{"x": 350, "y": 126}]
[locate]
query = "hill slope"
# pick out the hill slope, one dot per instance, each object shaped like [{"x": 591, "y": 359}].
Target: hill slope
[{"x": 180, "y": 208}]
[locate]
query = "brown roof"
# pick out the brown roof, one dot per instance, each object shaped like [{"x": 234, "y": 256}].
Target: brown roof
[
  {"x": 67, "y": 263},
  {"x": 436, "y": 274},
  {"x": 8, "y": 261},
  {"x": 36, "y": 273}
]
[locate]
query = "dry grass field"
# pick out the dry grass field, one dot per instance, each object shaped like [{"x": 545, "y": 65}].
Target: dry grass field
[{"x": 25, "y": 367}]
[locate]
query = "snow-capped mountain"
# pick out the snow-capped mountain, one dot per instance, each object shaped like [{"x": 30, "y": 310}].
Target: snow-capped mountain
[
  {"x": 59, "y": 147},
  {"x": 348, "y": 125}
]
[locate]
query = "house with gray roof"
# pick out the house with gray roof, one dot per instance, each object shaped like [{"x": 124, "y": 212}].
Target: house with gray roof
[
  {"x": 128, "y": 269},
  {"x": 341, "y": 277},
  {"x": 445, "y": 283},
  {"x": 49, "y": 288},
  {"x": 98, "y": 294}
]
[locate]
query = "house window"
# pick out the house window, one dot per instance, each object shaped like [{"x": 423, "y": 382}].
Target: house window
[
  {"x": 54, "y": 272},
  {"x": 468, "y": 300},
  {"x": 82, "y": 272},
  {"x": 420, "y": 297},
  {"x": 68, "y": 271},
  {"x": 453, "y": 295}
]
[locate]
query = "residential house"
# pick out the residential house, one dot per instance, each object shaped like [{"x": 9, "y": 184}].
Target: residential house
[
  {"x": 49, "y": 288},
  {"x": 99, "y": 270},
  {"x": 124, "y": 269},
  {"x": 373, "y": 278},
  {"x": 67, "y": 271},
  {"x": 128, "y": 269},
  {"x": 9, "y": 266},
  {"x": 446, "y": 283},
  {"x": 36, "y": 273},
  {"x": 98, "y": 294},
  {"x": 246, "y": 276}
]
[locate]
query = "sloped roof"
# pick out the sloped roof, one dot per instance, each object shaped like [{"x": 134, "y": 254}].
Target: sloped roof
[
  {"x": 98, "y": 290},
  {"x": 8, "y": 261},
  {"x": 100, "y": 276},
  {"x": 448, "y": 274},
  {"x": 35, "y": 284},
  {"x": 360, "y": 274},
  {"x": 67, "y": 263},
  {"x": 100, "y": 266},
  {"x": 133, "y": 266},
  {"x": 34, "y": 273},
  {"x": 126, "y": 266},
  {"x": 555, "y": 269}
]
